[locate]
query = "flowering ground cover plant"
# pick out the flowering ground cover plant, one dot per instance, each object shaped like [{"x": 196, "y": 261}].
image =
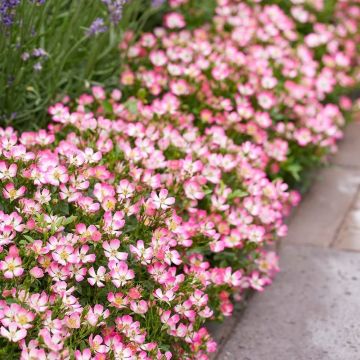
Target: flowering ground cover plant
[
  {"x": 111, "y": 231},
  {"x": 254, "y": 75},
  {"x": 139, "y": 214}
]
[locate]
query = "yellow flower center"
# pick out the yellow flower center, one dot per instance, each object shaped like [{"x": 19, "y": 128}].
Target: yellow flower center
[
  {"x": 64, "y": 255},
  {"x": 13, "y": 193},
  {"x": 22, "y": 319}
]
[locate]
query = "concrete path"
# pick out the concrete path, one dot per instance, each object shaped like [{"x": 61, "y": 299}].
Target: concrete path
[{"x": 312, "y": 311}]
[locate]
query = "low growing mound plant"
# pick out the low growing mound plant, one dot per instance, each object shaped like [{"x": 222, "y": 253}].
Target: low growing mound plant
[
  {"x": 141, "y": 212},
  {"x": 111, "y": 229}
]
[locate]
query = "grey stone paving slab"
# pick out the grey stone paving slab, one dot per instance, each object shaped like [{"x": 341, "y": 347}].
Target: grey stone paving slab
[
  {"x": 349, "y": 149},
  {"x": 324, "y": 207},
  {"x": 311, "y": 312},
  {"x": 349, "y": 234}
]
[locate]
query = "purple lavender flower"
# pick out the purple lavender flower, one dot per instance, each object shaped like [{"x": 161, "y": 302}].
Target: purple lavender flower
[
  {"x": 38, "y": 66},
  {"x": 7, "y": 11},
  {"x": 25, "y": 56},
  {"x": 39, "y": 52},
  {"x": 157, "y": 3},
  {"x": 115, "y": 9},
  {"x": 98, "y": 26}
]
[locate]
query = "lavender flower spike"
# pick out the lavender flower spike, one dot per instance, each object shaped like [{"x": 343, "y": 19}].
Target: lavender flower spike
[
  {"x": 98, "y": 26},
  {"x": 157, "y": 3},
  {"x": 115, "y": 9}
]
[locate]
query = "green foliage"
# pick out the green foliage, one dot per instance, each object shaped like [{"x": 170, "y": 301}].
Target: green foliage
[{"x": 73, "y": 58}]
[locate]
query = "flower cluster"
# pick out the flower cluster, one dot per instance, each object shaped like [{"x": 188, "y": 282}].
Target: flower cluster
[
  {"x": 253, "y": 75},
  {"x": 118, "y": 235},
  {"x": 115, "y": 9},
  {"x": 7, "y": 9},
  {"x": 97, "y": 27},
  {"x": 139, "y": 214}
]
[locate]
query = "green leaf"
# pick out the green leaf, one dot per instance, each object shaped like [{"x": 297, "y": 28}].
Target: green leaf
[
  {"x": 294, "y": 170},
  {"x": 28, "y": 238},
  {"x": 62, "y": 208},
  {"x": 131, "y": 105},
  {"x": 69, "y": 220},
  {"x": 107, "y": 107},
  {"x": 238, "y": 193},
  {"x": 142, "y": 93}
]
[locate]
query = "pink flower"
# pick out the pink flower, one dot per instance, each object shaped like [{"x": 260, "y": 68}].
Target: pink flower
[
  {"x": 303, "y": 136},
  {"x": 174, "y": 20},
  {"x": 69, "y": 193},
  {"x": 123, "y": 352},
  {"x": 169, "y": 320},
  {"x": 256, "y": 282},
  {"x": 97, "y": 345},
  {"x": 256, "y": 233},
  {"x": 266, "y": 100},
  {"x": 11, "y": 193},
  {"x": 172, "y": 256},
  {"x": 164, "y": 296},
  {"x": 43, "y": 196},
  {"x": 158, "y": 58},
  {"x": 97, "y": 277},
  {"x": 57, "y": 175},
  {"x": 52, "y": 341},
  {"x": 181, "y": 330},
  {"x": 38, "y": 302},
  {"x": 102, "y": 191},
  {"x": 161, "y": 201},
  {"x": 13, "y": 333},
  {"x": 98, "y": 92},
  {"x": 118, "y": 300},
  {"x": 60, "y": 113},
  {"x": 142, "y": 254},
  {"x": 96, "y": 313},
  {"x": 73, "y": 321},
  {"x": 83, "y": 355},
  {"x": 87, "y": 204},
  {"x": 140, "y": 307},
  {"x": 32, "y": 352},
  {"x": 92, "y": 157},
  {"x": 82, "y": 255},
  {"x": 17, "y": 314},
  {"x": 7, "y": 172},
  {"x": 125, "y": 189},
  {"x": 113, "y": 223},
  {"x": 37, "y": 272},
  {"x": 111, "y": 250},
  {"x": 88, "y": 233},
  {"x": 11, "y": 266},
  {"x": 64, "y": 255},
  {"x": 120, "y": 273},
  {"x": 193, "y": 190}
]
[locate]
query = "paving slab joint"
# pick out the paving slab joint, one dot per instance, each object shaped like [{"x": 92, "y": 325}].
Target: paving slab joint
[{"x": 336, "y": 238}]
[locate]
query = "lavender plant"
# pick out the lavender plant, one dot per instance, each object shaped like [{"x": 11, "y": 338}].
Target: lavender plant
[{"x": 56, "y": 47}]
